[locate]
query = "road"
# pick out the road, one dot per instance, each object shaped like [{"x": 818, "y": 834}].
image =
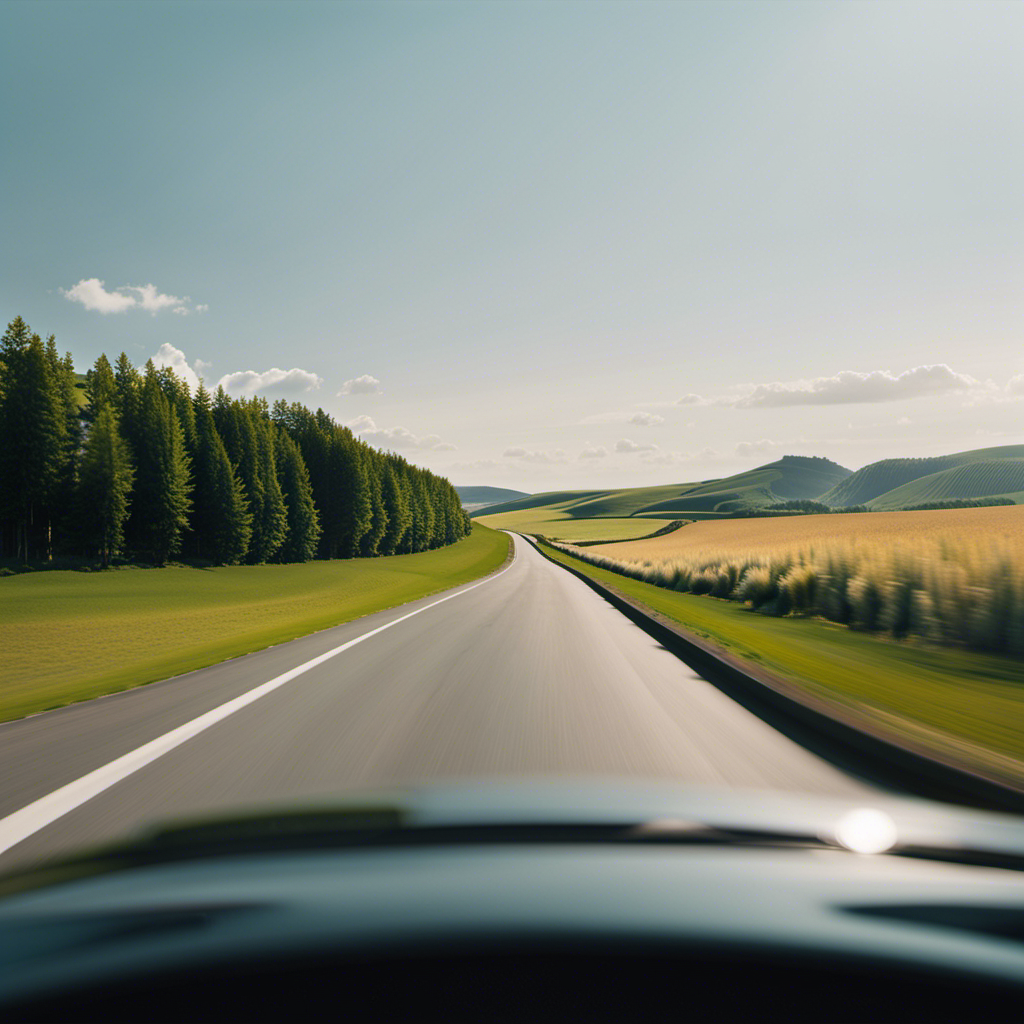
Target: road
[{"x": 526, "y": 672}]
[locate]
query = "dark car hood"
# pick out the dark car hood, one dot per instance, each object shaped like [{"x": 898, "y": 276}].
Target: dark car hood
[{"x": 670, "y": 808}]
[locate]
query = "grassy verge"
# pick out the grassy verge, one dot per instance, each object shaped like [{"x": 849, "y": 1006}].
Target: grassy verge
[
  {"x": 959, "y": 704},
  {"x": 69, "y": 636}
]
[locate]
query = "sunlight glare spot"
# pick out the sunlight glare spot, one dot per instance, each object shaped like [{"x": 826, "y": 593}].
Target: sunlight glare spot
[{"x": 866, "y": 831}]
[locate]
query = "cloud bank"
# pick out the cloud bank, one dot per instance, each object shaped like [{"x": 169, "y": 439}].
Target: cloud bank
[
  {"x": 850, "y": 387},
  {"x": 93, "y": 295}
]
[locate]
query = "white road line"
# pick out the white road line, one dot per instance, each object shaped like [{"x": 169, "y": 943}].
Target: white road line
[{"x": 42, "y": 812}]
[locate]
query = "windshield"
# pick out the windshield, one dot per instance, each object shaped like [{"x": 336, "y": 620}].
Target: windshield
[{"x": 400, "y": 398}]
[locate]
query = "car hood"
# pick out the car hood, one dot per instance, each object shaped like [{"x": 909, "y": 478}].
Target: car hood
[{"x": 670, "y": 810}]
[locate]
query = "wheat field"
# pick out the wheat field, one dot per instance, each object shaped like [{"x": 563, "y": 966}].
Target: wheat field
[{"x": 953, "y": 575}]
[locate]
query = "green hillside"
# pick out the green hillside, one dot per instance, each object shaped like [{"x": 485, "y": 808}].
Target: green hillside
[
  {"x": 792, "y": 476},
  {"x": 879, "y": 478},
  {"x": 488, "y": 495},
  {"x": 589, "y": 504},
  {"x": 983, "y": 479},
  {"x": 543, "y": 499},
  {"x": 624, "y": 502}
]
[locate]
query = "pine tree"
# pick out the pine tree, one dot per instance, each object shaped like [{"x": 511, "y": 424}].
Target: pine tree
[
  {"x": 369, "y": 545},
  {"x": 247, "y": 434},
  {"x": 100, "y": 388},
  {"x": 128, "y": 386},
  {"x": 352, "y": 493},
  {"x": 64, "y": 385},
  {"x": 221, "y": 520},
  {"x": 397, "y": 504},
  {"x": 423, "y": 511},
  {"x": 272, "y": 515},
  {"x": 104, "y": 485},
  {"x": 303, "y": 520},
  {"x": 163, "y": 480},
  {"x": 31, "y": 435}
]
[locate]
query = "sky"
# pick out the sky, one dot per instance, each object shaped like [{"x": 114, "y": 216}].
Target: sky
[{"x": 538, "y": 245}]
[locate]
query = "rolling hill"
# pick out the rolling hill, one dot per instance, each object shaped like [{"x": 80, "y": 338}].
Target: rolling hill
[
  {"x": 879, "y": 478},
  {"x": 792, "y": 476},
  {"x": 544, "y": 499},
  {"x": 487, "y": 495},
  {"x": 983, "y": 479}
]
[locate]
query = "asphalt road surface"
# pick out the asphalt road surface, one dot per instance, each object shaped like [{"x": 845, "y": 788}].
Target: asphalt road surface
[{"x": 528, "y": 672}]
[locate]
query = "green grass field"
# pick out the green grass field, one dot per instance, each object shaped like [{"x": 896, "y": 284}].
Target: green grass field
[
  {"x": 960, "y": 704},
  {"x": 69, "y": 636},
  {"x": 552, "y": 521}
]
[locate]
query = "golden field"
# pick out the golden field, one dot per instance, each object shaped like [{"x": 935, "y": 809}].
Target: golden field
[{"x": 952, "y": 575}]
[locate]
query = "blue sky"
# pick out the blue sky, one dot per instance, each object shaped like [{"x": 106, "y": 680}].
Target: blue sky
[{"x": 545, "y": 244}]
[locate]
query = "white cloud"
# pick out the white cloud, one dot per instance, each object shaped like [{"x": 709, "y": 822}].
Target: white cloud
[
  {"x": 640, "y": 419},
  {"x": 396, "y": 437},
  {"x": 201, "y": 365},
  {"x": 168, "y": 355},
  {"x": 270, "y": 382},
  {"x": 153, "y": 301},
  {"x": 594, "y": 453},
  {"x": 558, "y": 455},
  {"x": 690, "y": 399},
  {"x": 361, "y": 423},
  {"x": 762, "y": 447},
  {"x": 91, "y": 294},
  {"x": 850, "y": 386},
  {"x": 364, "y": 385},
  {"x": 390, "y": 437},
  {"x": 1015, "y": 386},
  {"x": 646, "y": 419},
  {"x": 625, "y": 445}
]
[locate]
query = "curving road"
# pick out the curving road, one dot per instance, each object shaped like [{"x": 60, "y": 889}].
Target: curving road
[{"x": 526, "y": 672}]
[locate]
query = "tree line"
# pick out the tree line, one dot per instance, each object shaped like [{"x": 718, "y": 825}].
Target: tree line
[{"x": 146, "y": 470}]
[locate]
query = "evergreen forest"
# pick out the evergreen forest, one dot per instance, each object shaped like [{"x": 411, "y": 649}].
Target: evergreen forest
[{"x": 143, "y": 470}]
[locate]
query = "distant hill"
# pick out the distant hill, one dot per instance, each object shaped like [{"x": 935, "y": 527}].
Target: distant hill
[
  {"x": 614, "y": 504},
  {"x": 983, "y": 479},
  {"x": 543, "y": 499},
  {"x": 792, "y": 476},
  {"x": 879, "y": 478},
  {"x": 487, "y": 495}
]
